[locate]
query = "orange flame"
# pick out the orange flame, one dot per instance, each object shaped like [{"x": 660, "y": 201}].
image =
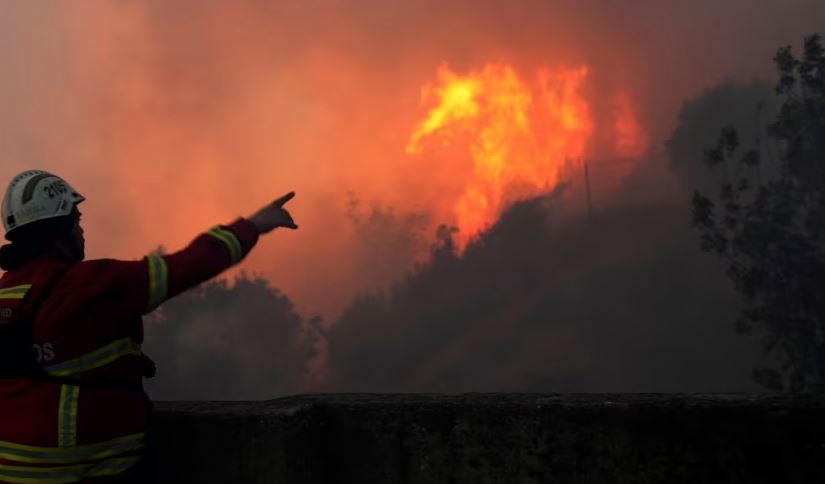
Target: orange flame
[{"x": 520, "y": 138}]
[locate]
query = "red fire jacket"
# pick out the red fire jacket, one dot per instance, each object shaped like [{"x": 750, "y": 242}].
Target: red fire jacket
[{"x": 87, "y": 417}]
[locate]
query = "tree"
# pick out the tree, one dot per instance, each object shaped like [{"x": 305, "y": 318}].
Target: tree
[
  {"x": 771, "y": 232},
  {"x": 222, "y": 341}
]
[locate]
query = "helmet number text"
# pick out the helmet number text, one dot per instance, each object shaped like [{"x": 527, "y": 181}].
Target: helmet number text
[{"x": 55, "y": 188}]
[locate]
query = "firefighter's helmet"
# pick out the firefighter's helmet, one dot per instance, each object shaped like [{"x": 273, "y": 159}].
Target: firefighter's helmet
[{"x": 36, "y": 195}]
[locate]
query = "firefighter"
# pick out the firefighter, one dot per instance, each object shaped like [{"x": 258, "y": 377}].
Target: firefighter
[{"x": 72, "y": 405}]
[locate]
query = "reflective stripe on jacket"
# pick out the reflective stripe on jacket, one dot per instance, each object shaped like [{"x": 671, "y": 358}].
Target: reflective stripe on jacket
[{"x": 87, "y": 416}]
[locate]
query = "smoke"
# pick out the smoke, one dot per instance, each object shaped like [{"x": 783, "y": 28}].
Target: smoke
[
  {"x": 547, "y": 300},
  {"x": 747, "y": 107},
  {"x": 238, "y": 342},
  {"x": 388, "y": 243},
  {"x": 624, "y": 303},
  {"x": 174, "y": 116}
]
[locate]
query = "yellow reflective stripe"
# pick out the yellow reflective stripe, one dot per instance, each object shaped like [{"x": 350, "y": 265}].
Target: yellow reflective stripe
[
  {"x": 95, "y": 359},
  {"x": 72, "y": 473},
  {"x": 16, "y": 292},
  {"x": 111, "y": 467},
  {"x": 232, "y": 243},
  {"x": 67, "y": 416},
  {"x": 158, "y": 280},
  {"x": 59, "y": 455},
  {"x": 20, "y": 288},
  {"x": 235, "y": 248}
]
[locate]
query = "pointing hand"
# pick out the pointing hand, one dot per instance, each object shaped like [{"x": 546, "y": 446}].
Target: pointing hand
[{"x": 274, "y": 215}]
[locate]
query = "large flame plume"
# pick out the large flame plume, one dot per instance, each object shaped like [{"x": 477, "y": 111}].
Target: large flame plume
[{"x": 520, "y": 135}]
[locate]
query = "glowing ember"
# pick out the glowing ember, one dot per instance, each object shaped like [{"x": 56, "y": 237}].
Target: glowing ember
[{"x": 520, "y": 136}]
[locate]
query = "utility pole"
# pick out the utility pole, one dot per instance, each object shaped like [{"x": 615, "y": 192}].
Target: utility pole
[{"x": 587, "y": 191}]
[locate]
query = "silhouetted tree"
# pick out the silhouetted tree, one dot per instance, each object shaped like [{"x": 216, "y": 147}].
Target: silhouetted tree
[
  {"x": 222, "y": 341},
  {"x": 771, "y": 231}
]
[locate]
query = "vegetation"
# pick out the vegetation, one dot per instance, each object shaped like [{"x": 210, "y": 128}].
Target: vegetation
[
  {"x": 770, "y": 230},
  {"x": 222, "y": 341}
]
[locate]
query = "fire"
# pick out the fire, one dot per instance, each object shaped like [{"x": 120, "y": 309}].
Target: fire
[
  {"x": 520, "y": 134},
  {"x": 631, "y": 140}
]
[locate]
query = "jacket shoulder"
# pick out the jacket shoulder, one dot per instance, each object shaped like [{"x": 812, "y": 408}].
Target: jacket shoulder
[
  {"x": 94, "y": 265},
  {"x": 107, "y": 272},
  {"x": 108, "y": 282}
]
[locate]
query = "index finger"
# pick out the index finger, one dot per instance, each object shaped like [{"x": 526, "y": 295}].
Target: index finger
[{"x": 289, "y": 196}]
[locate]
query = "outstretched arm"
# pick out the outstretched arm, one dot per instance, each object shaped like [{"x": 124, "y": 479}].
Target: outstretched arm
[
  {"x": 114, "y": 293},
  {"x": 212, "y": 252}
]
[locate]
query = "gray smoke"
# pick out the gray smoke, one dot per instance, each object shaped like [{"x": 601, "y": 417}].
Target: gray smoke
[
  {"x": 387, "y": 242},
  {"x": 625, "y": 302},
  {"x": 749, "y": 108},
  {"x": 238, "y": 342}
]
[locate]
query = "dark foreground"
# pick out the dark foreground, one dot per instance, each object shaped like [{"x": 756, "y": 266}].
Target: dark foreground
[{"x": 502, "y": 438}]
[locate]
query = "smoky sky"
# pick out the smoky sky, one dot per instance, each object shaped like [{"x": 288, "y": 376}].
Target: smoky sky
[
  {"x": 174, "y": 116},
  {"x": 171, "y": 117}
]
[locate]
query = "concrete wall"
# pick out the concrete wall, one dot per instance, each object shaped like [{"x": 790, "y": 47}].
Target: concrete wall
[{"x": 487, "y": 438}]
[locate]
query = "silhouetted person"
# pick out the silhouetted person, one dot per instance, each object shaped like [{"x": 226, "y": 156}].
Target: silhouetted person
[{"x": 72, "y": 405}]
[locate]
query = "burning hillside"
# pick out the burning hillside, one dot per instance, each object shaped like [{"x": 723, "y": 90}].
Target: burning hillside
[{"x": 521, "y": 134}]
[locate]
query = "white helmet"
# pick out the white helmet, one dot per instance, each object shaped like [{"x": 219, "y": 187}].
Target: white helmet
[{"x": 36, "y": 195}]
